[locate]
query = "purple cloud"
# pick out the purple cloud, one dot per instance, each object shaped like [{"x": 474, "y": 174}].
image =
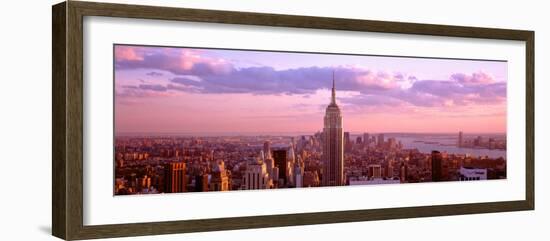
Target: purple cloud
[
  {"x": 178, "y": 61},
  {"x": 154, "y": 74},
  {"x": 220, "y": 76},
  {"x": 433, "y": 93},
  {"x": 199, "y": 74},
  {"x": 155, "y": 87},
  {"x": 473, "y": 79},
  {"x": 267, "y": 80}
]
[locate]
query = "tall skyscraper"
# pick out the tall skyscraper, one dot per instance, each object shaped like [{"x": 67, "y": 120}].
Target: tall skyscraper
[
  {"x": 460, "y": 140},
  {"x": 267, "y": 150},
  {"x": 256, "y": 177},
  {"x": 280, "y": 161},
  {"x": 387, "y": 170},
  {"x": 174, "y": 177},
  {"x": 347, "y": 141},
  {"x": 392, "y": 143},
  {"x": 333, "y": 144},
  {"x": 270, "y": 165},
  {"x": 403, "y": 172},
  {"x": 275, "y": 177},
  {"x": 201, "y": 183},
  {"x": 437, "y": 166},
  {"x": 478, "y": 141},
  {"x": 220, "y": 179},
  {"x": 299, "y": 173},
  {"x": 375, "y": 171},
  {"x": 290, "y": 160},
  {"x": 380, "y": 140},
  {"x": 366, "y": 139}
]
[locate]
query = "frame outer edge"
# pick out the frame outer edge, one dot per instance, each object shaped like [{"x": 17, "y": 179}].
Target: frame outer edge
[
  {"x": 74, "y": 118},
  {"x": 59, "y": 191},
  {"x": 67, "y": 120},
  {"x": 530, "y": 120}
]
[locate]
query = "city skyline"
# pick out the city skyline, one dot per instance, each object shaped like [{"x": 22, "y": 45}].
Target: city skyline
[
  {"x": 152, "y": 165},
  {"x": 182, "y": 90}
]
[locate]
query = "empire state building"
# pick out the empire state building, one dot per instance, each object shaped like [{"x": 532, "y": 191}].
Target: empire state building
[{"x": 333, "y": 144}]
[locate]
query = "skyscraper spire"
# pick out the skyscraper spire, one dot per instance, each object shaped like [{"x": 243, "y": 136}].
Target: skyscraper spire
[
  {"x": 333, "y": 100},
  {"x": 333, "y": 143}
]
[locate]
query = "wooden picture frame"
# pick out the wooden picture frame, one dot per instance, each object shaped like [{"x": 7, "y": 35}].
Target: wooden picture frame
[{"x": 67, "y": 123}]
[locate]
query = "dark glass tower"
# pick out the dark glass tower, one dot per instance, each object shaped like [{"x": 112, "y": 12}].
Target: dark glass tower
[
  {"x": 437, "y": 166},
  {"x": 279, "y": 156}
]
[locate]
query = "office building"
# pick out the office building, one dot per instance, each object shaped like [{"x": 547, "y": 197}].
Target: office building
[
  {"x": 437, "y": 166},
  {"x": 333, "y": 144},
  {"x": 256, "y": 177},
  {"x": 174, "y": 177},
  {"x": 279, "y": 156},
  {"x": 219, "y": 179}
]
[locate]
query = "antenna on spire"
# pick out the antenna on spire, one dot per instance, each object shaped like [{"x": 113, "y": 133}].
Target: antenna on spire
[
  {"x": 333, "y": 99},
  {"x": 333, "y": 79}
]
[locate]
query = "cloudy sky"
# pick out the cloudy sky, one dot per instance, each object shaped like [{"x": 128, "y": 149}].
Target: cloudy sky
[{"x": 230, "y": 91}]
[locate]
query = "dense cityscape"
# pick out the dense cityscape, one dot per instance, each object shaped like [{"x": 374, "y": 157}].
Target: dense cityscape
[{"x": 148, "y": 164}]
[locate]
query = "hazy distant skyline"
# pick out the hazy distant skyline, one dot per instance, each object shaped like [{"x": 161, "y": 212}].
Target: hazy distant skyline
[{"x": 182, "y": 90}]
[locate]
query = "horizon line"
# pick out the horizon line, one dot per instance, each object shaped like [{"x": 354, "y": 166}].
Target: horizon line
[{"x": 228, "y": 133}]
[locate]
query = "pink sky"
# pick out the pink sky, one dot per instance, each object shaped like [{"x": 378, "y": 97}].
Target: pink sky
[{"x": 186, "y": 90}]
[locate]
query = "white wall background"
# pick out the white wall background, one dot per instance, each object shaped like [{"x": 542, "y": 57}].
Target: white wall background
[{"x": 25, "y": 120}]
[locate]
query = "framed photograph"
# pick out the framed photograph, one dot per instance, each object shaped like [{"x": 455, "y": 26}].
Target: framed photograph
[{"x": 172, "y": 120}]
